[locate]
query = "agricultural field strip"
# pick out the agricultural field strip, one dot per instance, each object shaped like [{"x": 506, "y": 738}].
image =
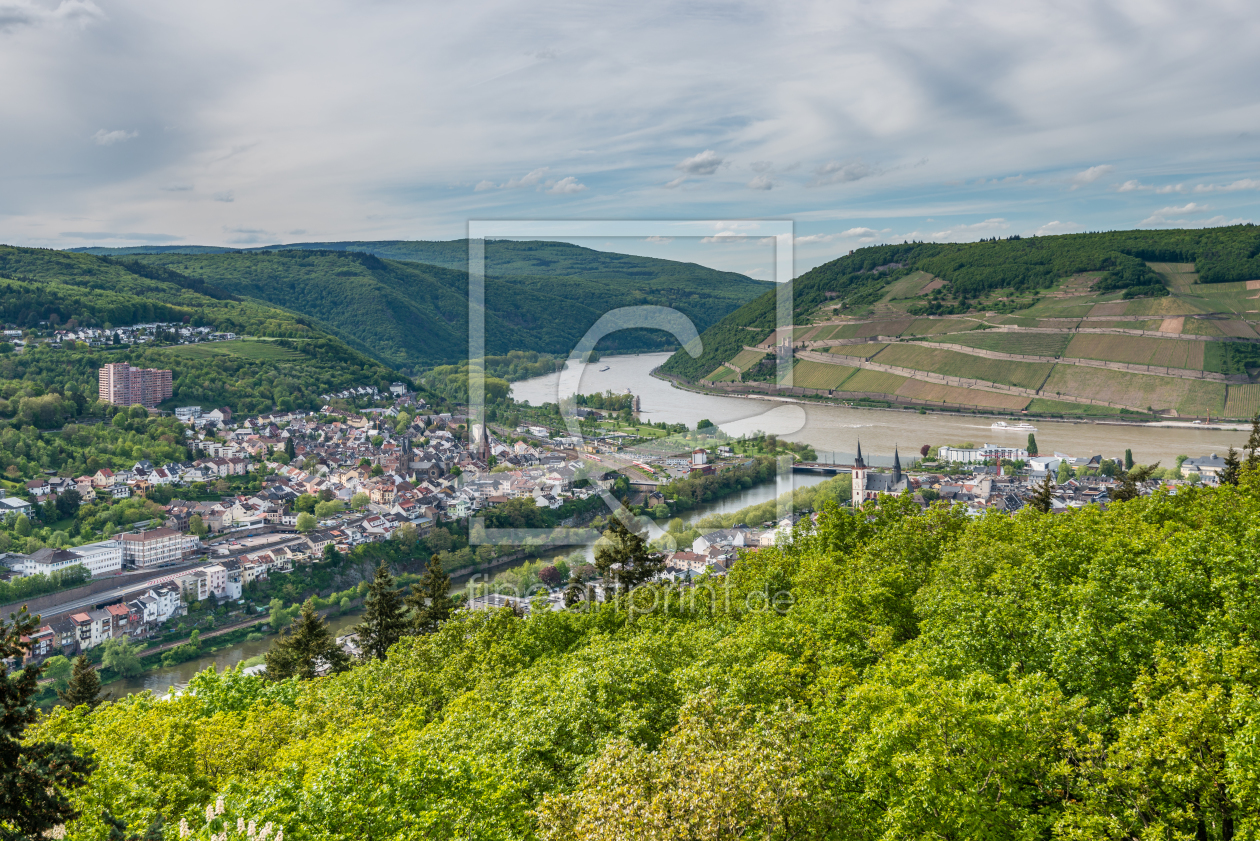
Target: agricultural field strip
[
  {"x": 928, "y": 376},
  {"x": 1154, "y": 334},
  {"x": 1155, "y": 371}
]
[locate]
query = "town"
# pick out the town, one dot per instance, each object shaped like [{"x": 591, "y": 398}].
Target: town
[{"x": 277, "y": 491}]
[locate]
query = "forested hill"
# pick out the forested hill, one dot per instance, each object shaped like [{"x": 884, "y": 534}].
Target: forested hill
[
  {"x": 1183, "y": 302},
  {"x": 405, "y": 302},
  {"x": 295, "y": 361},
  {"x": 896, "y": 674}
]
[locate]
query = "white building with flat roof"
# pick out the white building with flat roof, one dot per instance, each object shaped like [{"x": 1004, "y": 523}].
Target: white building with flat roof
[
  {"x": 152, "y": 548},
  {"x": 103, "y": 558}
]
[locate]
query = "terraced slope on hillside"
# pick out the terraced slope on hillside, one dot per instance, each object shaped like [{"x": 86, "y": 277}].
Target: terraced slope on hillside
[{"x": 1143, "y": 322}]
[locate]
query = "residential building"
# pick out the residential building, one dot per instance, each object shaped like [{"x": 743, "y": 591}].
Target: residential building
[
  {"x": 11, "y": 507},
  {"x": 152, "y": 548},
  {"x": 98, "y": 558},
  {"x": 122, "y": 385},
  {"x": 1205, "y": 466},
  {"x": 187, "y": 413}
]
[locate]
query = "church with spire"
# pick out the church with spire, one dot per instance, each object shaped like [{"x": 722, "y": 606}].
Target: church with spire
[{"x": 867, "y": 486}]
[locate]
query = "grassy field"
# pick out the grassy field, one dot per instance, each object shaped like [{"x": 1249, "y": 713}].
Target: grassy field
[
  {"x": 890, "y": 327},
  {"x": 1028, "y": 344},
  {"x": 807, "y": 374},
  {"x": 244, "y": 348},
  {"x": 867, "y": 380},
  {"x": 937, "y": 393},
  {"x": 721, "y": 374},
  {"x": 1138, "y": 391},
  {"x": 863, "y": 351},
  {"x": 1203, "y": 399},
  {"x": 1243, "y": 401},
  {"x": 908, "y": 287},
  {"x": 746, "y": 359},
  {"x": 952, "y": 364},
  {"x": 1201, "y": 327},
  {"x": 936, "y": 326},
  {"x": 1137, "y": 350},
  {"x": 1042, "y": 405},
  {"x": 1162, "y": 306},
  {"x": 1178, "y": 277}
]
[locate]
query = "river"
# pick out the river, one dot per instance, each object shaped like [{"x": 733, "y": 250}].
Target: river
[{"x": 834, "y": 431}]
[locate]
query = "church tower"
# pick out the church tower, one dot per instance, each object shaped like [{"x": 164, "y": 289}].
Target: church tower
[
  {"x": 896, "y": 479},
  {"x": 859, "y": 478}
]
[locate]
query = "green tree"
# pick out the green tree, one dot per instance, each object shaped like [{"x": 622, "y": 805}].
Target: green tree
[
  {"x": 84, "y": 686},
  {"x": 305, "y": 647},
  {"x": 384, "y": 616},
  {"x": 622, "y": 557},
  {"x": 1043, "y": 497},
  {"x": 1128, "y": 459},
  {"x": 1065, "y": 471},
  {"x": 197, "y": 526},
  {"x": 305, "y": 503},
  {"x": 430, "y": 598},
  {"x": 1232, "y": 469},
  {"x": 57, "y": 668},
  {"x": 35, "y": 774},
  {"x": 327, "y": 509},
  {"x": 306, "y": 522},
  {"x": 121, "y": 656},
  {"x": 360, "y": 501},
  {"x": 1129, "y": 481},
  {"x": 574, "y": 591},
  {"x": 1253, "y": 445},
  {"x": 1032, "y": 445},
  {"x": 22, "y": 527},
  {"x": 290, "y": 449},
  {"x": 278, "y": 617}
]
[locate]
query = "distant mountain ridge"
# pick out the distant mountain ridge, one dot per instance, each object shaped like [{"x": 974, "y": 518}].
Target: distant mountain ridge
[{"x": 405, "y": 303}]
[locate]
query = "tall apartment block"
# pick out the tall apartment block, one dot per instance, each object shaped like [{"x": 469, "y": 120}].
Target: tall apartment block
[{"x": 124, "y": 385}]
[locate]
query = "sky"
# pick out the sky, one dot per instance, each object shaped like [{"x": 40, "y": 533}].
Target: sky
[{"x": 232, "y": 123}]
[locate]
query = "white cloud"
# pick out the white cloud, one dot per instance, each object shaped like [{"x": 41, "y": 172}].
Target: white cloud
[
  {"x": 705, "y": 163},
  {"x": 1171, "y": 188},
  {"x": 761, "y": 166},
  {"x": 862, "y": 235},
  {"x": 1056, "y": 227},
  {"x": 483, "y": 185},
  {"x": 1131, "y": 186},
  {"x": 661, "y": 240},
  {"x": 729, "y": 236},
  {"x": 837, "y": 173},
  {"x": 761, "y": 182},
  {"x": 1189, "y": 207},
  {"x": 1091, "y": 175},
  {"x": 568, "y": 184},
  {"x": 1215, "y": 221},
  {"x": 15, "y": 14},
  {"x": 1243, "y": 184},
  {"x": 677, "y": 182},
  {"x": 527, "y": 180},
  {"x": 109, "y": 138}
]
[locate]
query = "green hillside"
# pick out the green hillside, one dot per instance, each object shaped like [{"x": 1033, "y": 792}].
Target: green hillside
[
  {"x": 897, "y": 674},
  {"x": 405, "y": 302},
  {"x": 290, "y": 364},
  {"x": 1140, "y": 322}
]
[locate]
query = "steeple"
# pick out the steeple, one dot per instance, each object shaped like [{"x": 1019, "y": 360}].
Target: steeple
[
  {"x": 858, "y": 463},
  {"x": 896, "y": 467}
]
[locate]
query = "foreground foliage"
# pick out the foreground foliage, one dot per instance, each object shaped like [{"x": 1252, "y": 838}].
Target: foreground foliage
[{"x": 904, "y": 675}]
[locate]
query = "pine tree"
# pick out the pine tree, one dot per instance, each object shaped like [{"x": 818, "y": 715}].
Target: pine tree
[
  {"x": 1043, "y": 497},
  {"x": 573, "y": 592},
  {"x": 301, "y": 648},
  {"x": 33, "y": 775},
  {"x": 624, "y": 558},
  {"x": 1233, "y": 466},
  {"x": 430, "y": 598},
  {"x": 84, "y": 686},
  {"x": 290, "y": 449},
  {"x": 1128, "y": 459},
  {"x": 1032, "y": 445},
  {"x": 1129, "y": 481},
  {"x": 384, "y": 619}
]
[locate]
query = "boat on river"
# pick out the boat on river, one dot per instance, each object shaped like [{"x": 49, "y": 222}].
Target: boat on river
[{"x": 1003, "y": 426}]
